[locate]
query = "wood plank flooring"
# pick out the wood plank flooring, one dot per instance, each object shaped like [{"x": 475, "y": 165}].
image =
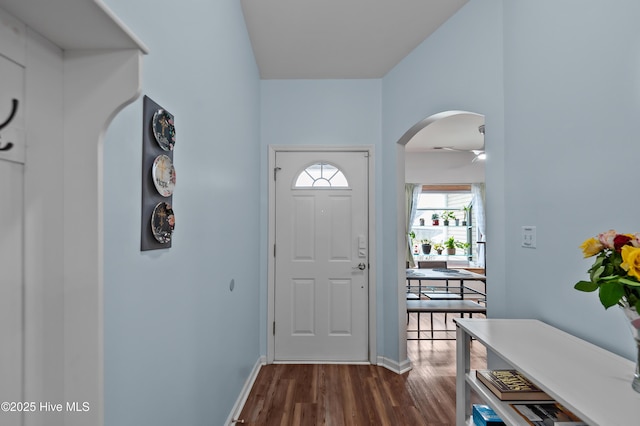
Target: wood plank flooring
[{"x": 346, "y": 395}]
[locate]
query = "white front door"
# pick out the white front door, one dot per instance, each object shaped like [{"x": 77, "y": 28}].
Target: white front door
[{"x": 321, "y": 256}]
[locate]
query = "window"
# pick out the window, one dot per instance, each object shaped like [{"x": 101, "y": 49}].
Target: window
[
  {"x": 437, "y": 200},
  {"x": 321, "y": 175}
]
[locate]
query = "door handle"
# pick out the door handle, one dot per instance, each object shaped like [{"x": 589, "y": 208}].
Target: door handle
[{"x": 361, "y": 266}]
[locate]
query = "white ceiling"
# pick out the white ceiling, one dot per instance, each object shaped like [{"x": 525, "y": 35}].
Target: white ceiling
[
  {"x": 320, "y": 39},
  {"x": 337, "y": 39},
  {"x": 450, "y": 129}
]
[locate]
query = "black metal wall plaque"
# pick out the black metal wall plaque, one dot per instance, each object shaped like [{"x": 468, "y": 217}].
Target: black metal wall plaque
[{"x": 158, "y": 177}]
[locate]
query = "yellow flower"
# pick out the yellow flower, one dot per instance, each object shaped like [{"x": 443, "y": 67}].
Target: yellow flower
[
  {"x": 631, "y": 260},
  {"x": 591, "y": 247}
]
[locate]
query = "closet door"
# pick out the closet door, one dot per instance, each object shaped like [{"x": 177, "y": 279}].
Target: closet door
[
  {"x": 11, "y": 329},
  {"x": 11, "y": 241}
]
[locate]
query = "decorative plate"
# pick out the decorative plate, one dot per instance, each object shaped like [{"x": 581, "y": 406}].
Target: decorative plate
[
  {"x": 162, "y": 222},
  {"x": 164, "y": 175},
  {"x": 163, "y": 129}
]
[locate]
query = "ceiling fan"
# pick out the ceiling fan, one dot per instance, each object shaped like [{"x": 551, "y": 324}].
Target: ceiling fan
[{"x": 479, "y": 153}]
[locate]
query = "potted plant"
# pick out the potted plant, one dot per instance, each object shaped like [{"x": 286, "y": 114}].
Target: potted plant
[
  {"x": 438, "y": 247},
  {"x": 461, "y": 245},
  {"x": 450, "y": 244},
  {"x": 466, "y": 210},
  {"x": 413, "y": 242},
  {"x": 457, "y": 220},
  {"x": 446, "y": 216},
  {"x": 426, "y": 246},
  {"x": 435, "y": 219}
]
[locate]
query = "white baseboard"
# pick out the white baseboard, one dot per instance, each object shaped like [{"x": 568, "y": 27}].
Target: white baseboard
[
  {"x": 399, "y": 368},
  {"x": 246, "y": 389}
]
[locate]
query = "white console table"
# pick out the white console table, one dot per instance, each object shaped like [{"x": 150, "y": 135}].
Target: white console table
[{"x": 592, "y": 382}]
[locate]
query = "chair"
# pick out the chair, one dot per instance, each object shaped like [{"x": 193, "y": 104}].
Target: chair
[
  {"x": 435, "y": 264},
  {"x": 432, "y": 264},
  {"x": 411, "y": 296},
  {"x": 441, "y": 306}
]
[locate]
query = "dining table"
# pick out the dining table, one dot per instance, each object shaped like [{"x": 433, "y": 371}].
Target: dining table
[{"x": 447, "y": 291}]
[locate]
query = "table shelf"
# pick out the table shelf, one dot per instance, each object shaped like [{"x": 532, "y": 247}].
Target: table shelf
[
  {"x": 593, "y": 383},
  {"x": 502, "y": 408}
]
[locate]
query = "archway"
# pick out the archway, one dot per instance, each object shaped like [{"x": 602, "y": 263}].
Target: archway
[{"x": 444, "y": 148}]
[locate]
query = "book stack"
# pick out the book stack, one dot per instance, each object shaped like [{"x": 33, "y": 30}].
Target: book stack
[
  {"x": 510, "y": 385},
  {"x": 483, "y": 415},
  {"x": 535, "y": 406},
  {"x": 547, "y": 414}
]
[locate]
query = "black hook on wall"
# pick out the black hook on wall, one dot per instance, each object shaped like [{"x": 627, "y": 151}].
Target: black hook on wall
[{"x": 14, "y": 109}]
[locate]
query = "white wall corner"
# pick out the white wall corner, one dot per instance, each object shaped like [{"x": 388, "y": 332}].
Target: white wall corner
[{"x": 395, "y": 366}]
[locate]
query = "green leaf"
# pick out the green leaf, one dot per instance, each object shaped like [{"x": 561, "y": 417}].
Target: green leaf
[
  {"x": 638, "y": 306},
  {"x": 629, "y": 282},
  {"x": 616, "y": 259},
  {"x": 609, "y": 278},
  {"x": 611, "y": 293},
  {"x": 587, "y": 286},
  {"x": 598, "y": 262},
  {"x": 610, "y": 268},
  {"x": 596, "y": 274}
]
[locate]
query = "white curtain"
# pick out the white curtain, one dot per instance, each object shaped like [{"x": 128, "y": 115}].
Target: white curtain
[
  {"x": 411, "y": 191},
  {"x": 477, "y": 189}
]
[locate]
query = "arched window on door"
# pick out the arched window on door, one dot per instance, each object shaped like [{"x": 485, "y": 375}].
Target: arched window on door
[{"x": 321, "y": 175}]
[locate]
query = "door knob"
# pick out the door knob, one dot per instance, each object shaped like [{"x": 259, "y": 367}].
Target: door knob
[{"x": 362, "y": 266}]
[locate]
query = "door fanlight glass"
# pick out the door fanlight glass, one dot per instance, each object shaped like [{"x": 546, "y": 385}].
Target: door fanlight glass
[{"x": 321, "y": 175}]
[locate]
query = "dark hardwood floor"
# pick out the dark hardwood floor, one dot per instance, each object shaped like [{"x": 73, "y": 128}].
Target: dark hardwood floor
[{"x": 337, "y": 394}]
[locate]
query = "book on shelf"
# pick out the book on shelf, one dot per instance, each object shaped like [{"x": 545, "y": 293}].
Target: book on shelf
[
  {"x": 483, "y": 415},
  {"x": 547, "y": 414},
  {"x": 510, "y": 385}
]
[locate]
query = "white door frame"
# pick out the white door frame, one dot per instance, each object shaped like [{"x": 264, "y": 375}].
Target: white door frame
[{"x": 271, "y": 239}]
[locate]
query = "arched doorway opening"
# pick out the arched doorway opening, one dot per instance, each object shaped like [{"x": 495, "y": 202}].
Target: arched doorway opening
[{"x": 444, "y": 149}]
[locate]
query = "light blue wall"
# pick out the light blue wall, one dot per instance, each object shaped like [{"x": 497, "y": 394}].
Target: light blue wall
[
  {"x": 179, "y": 344},
  {"x": 318, "y": 112},
  {"x": 556, "y": 81},
  {"x": 459, "y": 67},
  {"x": 559, "y": 84},
  {"x": 430, "y": 80},
  {"x": 572, "y": 102}
]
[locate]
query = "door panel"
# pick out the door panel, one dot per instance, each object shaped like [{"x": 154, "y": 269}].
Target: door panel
[
  {"x": 321, "y": 296},
  {"x": 304, "y": 236},
  {"x": 340, "y": 307},
  {"x": 303, "y": 301},
  {"x": 340, "y": 229}
]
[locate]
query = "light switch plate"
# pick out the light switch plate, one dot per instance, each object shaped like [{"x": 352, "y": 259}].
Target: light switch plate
[{"x": 529, "y": 236}]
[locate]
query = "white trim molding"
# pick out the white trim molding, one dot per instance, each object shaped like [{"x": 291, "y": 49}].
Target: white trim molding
[
  {"x": 244, "y": 393},
  {"x": 97, "y": 86},
  {"x": 80, "y": 71},
  {"x": 396, "y": 367}
]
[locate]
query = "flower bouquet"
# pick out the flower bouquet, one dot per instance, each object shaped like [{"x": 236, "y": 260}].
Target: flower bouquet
[
  {"x": 616, "y": 270},
  {"x": 616, "y": 275}
]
